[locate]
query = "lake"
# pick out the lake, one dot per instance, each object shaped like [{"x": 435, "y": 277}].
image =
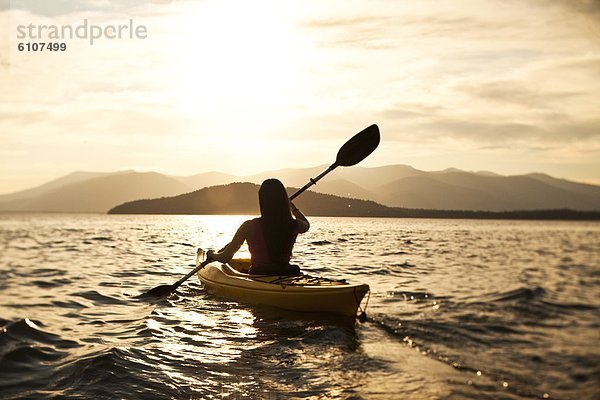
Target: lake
[{"x": 459, "y": 309}]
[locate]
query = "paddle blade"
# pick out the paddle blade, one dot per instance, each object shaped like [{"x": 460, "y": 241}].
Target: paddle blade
[
  {"x": 358, "y": 147},
  {"x": 159, "y": 291}
]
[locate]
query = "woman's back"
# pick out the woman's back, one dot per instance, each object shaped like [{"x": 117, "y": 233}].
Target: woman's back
[{"x": 260, "y": 251}]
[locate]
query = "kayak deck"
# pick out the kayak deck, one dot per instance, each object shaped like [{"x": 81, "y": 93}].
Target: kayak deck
[{"x": 296, "y": 293}]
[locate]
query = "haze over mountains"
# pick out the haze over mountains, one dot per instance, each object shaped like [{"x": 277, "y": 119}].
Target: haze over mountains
[
  {"x": 392, "y": 185},
  {"x": 92, "y": 192}
]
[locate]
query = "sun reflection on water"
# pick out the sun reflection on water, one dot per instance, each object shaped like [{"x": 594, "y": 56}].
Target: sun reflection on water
[{"x": 207, "y": 336}]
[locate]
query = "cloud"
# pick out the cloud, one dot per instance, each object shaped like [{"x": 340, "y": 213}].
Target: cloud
[
  {"x": 440, "y": 78},
  {"x": 409, "y": 112},
  {"x": 586, "y": 66},
  {"x": 364, "y": 31},
  {"x": 540, "y": 129},
  {"x": 482, "y": 131},
  {"x": 523, "y": 133},
  {"x": 350, "y": 22},
  {"x": 391, "y": 31},
  {"x": 588, "y": 7},
  {"x": 23, "y": 117},
  {"x": 517, "y": 93}
]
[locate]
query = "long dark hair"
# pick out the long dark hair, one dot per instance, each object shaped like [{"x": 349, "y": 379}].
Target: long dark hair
[{"x": 276, "y": 219}]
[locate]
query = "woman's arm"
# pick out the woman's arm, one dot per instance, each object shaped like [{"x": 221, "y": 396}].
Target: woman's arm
[
  {"x": 303, "y": 224},
  {"x": 226, "y": 253}
]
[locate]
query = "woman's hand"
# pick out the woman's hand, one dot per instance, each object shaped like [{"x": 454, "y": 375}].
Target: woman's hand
[
  {"x": 210, "y": 255},
  {"x": 303, "y": 223}
]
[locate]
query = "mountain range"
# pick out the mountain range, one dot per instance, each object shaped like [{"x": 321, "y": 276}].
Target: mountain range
[{"x": 392, "y": 186}]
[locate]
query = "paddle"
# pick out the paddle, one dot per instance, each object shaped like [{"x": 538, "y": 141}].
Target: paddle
[
  {"x": 351, "y": 153},
  {"x": 164, "y": 290}
]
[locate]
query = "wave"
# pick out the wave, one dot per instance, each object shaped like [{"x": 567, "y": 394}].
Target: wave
[
  {"x": 39, "y": 272},
  {"x": 404, "y": 264},
  {"x": 570, "y": 306},
  {"x": 490, "y": 334},
  {"x": 321, "y": 242},
  {"x": 28, "y": 353},
  {"x": 102, "y": 239},
  {"x": 393, "y": 253},
  {"x": 35, "y": 363},
  {"x": 520, "y": 294},
  {"x": 51, "y": 283},
  {"x": 468, "y": 347},
  {"x": 109, "y": 373},
  {"x": 68, "y": 304},
  {"x": 100, "y": 298},
  {"x": 31, "y": 331},
  {"x": 114, "y": 373},
  {"x": 533, "y": 306}
]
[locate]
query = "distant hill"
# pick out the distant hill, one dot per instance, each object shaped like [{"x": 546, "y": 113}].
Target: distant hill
[
  {"x": 430, "y": 193},
  {"x": 343, "y": 188},
  {"x": 592, "y": 190},
  {"x": 242, "y": 199},
  {"x": 74, "y": 177},
  {"x": 391, "y": 185},
  {"x": 98, "y": 194},
  {"x": 468, "y": 191}
]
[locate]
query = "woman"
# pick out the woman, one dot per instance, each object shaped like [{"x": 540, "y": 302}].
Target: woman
[{"x": 272, "y": 236}]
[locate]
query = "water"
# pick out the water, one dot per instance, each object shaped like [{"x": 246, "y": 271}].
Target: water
[{"x": 459, "y": 309}]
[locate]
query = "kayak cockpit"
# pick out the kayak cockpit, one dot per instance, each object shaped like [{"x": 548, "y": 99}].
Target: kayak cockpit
[{"x": 240, "y": 269}]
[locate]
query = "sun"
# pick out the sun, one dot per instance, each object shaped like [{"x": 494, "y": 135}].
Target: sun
[{"x": 237, "y": 58}]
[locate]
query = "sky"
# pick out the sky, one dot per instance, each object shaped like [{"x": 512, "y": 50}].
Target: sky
[{"x": 508, "y": 86}]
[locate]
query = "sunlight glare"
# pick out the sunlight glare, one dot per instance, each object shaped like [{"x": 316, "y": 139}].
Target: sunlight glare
[{"x": 241, "y": 56}]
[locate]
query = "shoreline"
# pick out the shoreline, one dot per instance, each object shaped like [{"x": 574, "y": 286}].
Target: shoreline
[{"x": 524, "y": 215}]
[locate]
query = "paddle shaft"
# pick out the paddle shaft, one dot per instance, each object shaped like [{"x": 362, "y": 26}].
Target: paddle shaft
[
  {"x": 313, "y": 181},
  {"x": 192, "y": 272}
]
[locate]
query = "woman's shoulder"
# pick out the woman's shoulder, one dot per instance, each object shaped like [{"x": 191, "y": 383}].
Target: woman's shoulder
[
  {"x": 249, "y": 224},
  {"x": 252, "y": 222}
]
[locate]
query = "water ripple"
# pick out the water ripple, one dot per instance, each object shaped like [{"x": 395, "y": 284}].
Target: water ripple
[{"x": 459, "y": 309}]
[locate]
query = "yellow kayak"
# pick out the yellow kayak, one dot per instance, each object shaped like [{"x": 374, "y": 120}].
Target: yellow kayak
[{"x": 296, "y": 293}]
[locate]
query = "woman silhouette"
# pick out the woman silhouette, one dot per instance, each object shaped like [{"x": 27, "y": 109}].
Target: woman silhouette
[{"x": 272, "y": 236}]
